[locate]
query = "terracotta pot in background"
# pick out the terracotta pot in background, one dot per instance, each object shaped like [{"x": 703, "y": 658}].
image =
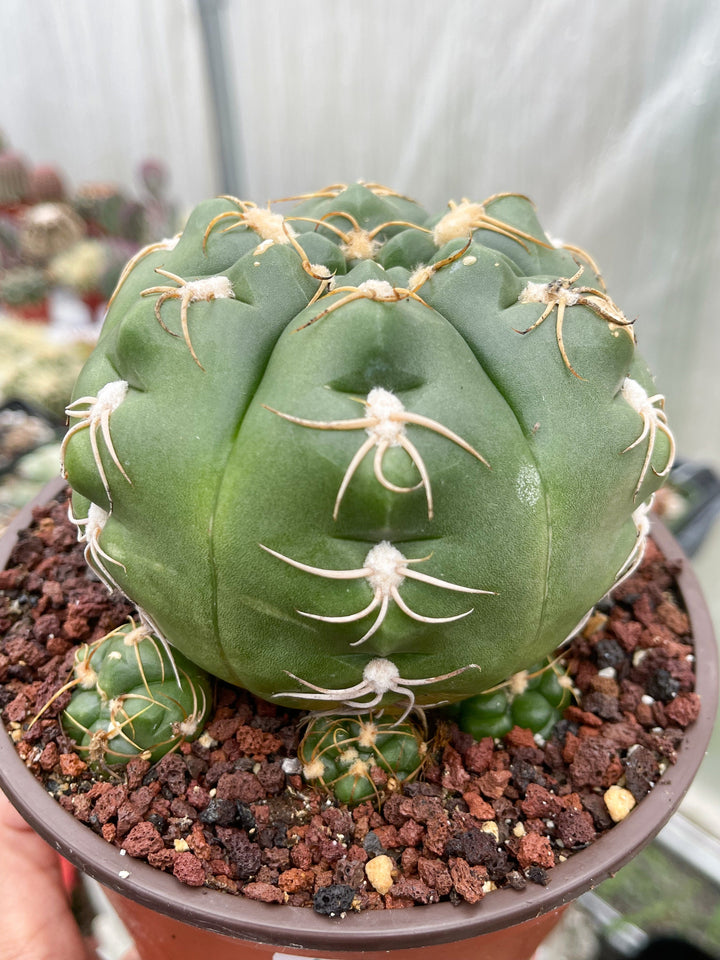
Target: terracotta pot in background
[
  {"x": 169, "y": 920},
  {"x": 38, "y": 312}
]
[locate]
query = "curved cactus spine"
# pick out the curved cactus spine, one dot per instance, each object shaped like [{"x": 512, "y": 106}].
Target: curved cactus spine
[
  {"x": 93, "y": 524},
  {"x": 187, "y": 292},
  {"x": 133, "y": 698},
  {"x": 280, "y": 551},
  {"x": 653, "y": 419}
]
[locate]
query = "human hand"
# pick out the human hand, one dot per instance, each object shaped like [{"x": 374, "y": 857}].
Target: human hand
[{"x": 36, "y": 922}]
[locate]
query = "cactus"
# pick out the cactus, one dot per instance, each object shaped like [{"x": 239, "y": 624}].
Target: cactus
[
  {"x": 46, "y": 185},
  {"x": 359, "y": 457},
  {"x": 22, "y": 286},
  {"x": 160, "y": 213},
  {"x": 360, "y": 758},
  {"x": 133, "y": 698},
  {"x": 13, "y": 178},
  {"x": 81, "y": 267},
  {"x": 533, "y": 698},
  {"x": 49, "y": 229}
]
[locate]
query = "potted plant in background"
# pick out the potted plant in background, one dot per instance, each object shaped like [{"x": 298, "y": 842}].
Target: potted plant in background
[{"x": 365, "y": 462}]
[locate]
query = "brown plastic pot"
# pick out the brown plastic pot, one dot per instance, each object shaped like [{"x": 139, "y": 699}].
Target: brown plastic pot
[{"x": 170, "y": 920}]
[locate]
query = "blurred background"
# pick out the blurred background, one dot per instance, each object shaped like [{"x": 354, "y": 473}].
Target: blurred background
[{"x": 116, "y": 118}]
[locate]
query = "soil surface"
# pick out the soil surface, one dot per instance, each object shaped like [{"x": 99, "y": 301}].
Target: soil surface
[{"x": 231, "y": 811}]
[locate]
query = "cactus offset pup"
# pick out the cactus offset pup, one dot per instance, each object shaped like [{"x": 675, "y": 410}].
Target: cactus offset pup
[{"x": 353, "y": 457}]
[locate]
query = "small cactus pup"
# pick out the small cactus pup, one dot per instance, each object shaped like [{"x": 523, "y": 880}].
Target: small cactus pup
[
  {"x": 132, "y": 698},
  {"x": 534, "y": 699},
  {"x": 355, "y": 457},
  {"x": 361, "y": 758}
]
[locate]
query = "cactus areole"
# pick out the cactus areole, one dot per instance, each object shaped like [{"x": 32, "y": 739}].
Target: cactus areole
[{"x": 351, "y": 456}]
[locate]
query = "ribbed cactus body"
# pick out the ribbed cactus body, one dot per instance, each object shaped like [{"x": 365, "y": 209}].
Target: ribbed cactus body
[
  {"x": 133, "y": 699},
  {"x": 361, "y": 758},
  {"x": 386, "y": 492}
]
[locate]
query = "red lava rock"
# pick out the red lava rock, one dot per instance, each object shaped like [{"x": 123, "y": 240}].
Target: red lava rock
[
  {"x": 189, "y": 870},
  {"x": 478, "y": 756},
  {"x": 435, "y": 873},
  {"x": 424, "y": 809},
  {"x": 109, "y": 832},
  {"x": 163, "y": 859},
  {"x": 478, "y": 807},
  {"x": 108, "y": 803},
  {"x": 286, "y": 846},
  {"x": 574, "y": 828},
  {"x": 684, "y": 709},
  {"x": 454, "y": 776},
  {"x": 301, "y": 856},
  {"x": 17, "y": 709},
  {"x": 142, "y": 840},
  {"x": 494, "y": 782},
  {"x": 397, "y": 903},
  {"x": 539, "y": 802},
  {"x": 127, "y": 816},
  {"x": 49, "y": 756},
  {"x": 411, "y": 833},
  {"x": 591, "y": 762},
  {"x": 520, "y": 737},
  {"x": 535, "y": 850},
  {"x": 388, "y": 837},
  {"x": 240, "y": 786},
  {"x": 436, "y": 837},
  {"x": 674, "y": 618},
  {"x": 409, "y": 861},
  {"x": 294, "y": 880},
  {"x": 468, "y": 882},
  {"x": 414, "y": 889},
  {"x": 576, "y": 715}
]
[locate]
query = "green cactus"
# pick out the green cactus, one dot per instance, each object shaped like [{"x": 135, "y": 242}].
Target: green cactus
[
  {"x": 132, "y": 698},
  {"x": 360, "y": 457},
  {"x": 81, "y": 266},
  {"x": 359, "y": 758},
  {"x": 13, "y": 178},
  {"x": 24, "y": 285},
  {"x": 533, "y": 698}
]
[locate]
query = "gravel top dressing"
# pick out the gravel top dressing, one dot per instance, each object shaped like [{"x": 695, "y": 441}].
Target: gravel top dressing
[{"x": 231, "y": 810}]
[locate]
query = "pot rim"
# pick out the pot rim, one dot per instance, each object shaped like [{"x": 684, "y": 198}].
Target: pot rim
[{"x": 300, "y": 927}]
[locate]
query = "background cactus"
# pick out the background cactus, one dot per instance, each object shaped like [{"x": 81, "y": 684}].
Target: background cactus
[
  {"x": 362, "y": 456},
  {"x": 20, "y": 286},
  {"x": 132, "y": 698},
  {"x": 46, "y": 185},
  {"x": 13, "y": 178},
  {"x": 49, "y": 229}
]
